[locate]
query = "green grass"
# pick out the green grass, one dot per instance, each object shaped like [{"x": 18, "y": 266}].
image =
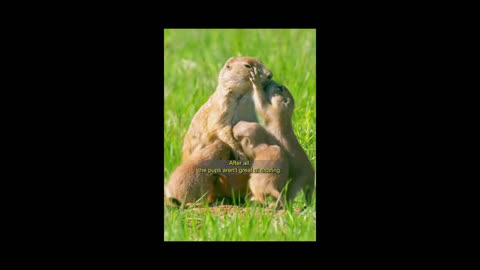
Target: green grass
[{"x": 192, "y": 61}]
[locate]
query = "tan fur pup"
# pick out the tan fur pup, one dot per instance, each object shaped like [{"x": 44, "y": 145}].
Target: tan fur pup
[
  {"x": 231, "y": 102},
  {"x": 187, "y": 184},
  {"x": 260, "y": 146},
  {"x": 275, "y": 105},
  {"x": 229, "y": 186}
]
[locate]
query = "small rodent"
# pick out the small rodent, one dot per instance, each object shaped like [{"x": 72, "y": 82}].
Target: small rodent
[
  {"x": 188, "y": 185},
  {"x": 275, "y": 104},
  {"x": 233, "y": 187},
  {"x": 231, "y": 102},
  {"x": 261, "y": 146}
]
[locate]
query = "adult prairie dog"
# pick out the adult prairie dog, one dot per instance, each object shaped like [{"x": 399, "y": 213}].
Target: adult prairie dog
[
  {"x": 231, "y": 102},
  {"x": 260, "y": 146},
  {"x": 275, "y": 105}
]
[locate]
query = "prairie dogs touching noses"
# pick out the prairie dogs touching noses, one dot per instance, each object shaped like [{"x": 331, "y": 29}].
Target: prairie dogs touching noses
[{"x": 231, "y": 102}]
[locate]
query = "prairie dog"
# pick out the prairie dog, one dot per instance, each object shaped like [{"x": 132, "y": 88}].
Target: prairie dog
[
  {"x": 231, "y": 102},
  {"x": 260, "y": 146},
  {"x": 187, "y": 184},
  {"x": 232, "y": 185},
  {"x": 275, "y": 105}
]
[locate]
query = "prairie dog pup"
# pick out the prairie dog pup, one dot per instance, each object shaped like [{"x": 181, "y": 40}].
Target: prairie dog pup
[
  {"x": 260, "y": 146},
  {"x": 188, "y": 185},
  {"x": 232, "y": 185},
  {"x": 275, "y": 105},
  {"x": 231, "y": 102}
]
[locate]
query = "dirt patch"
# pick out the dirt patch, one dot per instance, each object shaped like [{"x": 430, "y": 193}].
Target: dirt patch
[{"x": 231, "y": 209}]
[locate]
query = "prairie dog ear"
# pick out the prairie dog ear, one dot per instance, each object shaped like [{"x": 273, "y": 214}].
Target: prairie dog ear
[
  {"x": 248, "y": 142},
  {"x": 222, "y": 178},
  {"x": 221, "y": 182},
  {"x": 245, "y": 142}
]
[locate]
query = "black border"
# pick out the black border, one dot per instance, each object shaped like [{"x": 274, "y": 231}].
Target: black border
[
  {"x": 88, "y": 88},
  {"x": 108, "y": 131}
]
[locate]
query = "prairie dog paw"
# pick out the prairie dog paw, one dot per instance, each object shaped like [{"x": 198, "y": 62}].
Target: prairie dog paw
[{"x": 254, "y": 76}]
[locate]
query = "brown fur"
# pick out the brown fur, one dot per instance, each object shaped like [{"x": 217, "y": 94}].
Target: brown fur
[
  {"x": 260, "y": 146},
  {"x": 275, "y": 105},
  {"x": 231, "y": 102},
  {"x": 188, "y": 185},
  {"x": 232, "y": 186}
]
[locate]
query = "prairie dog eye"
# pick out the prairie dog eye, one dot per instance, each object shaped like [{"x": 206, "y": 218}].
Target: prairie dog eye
[
  {"x": 228, "y": 66},
  {"x": 248, "y": 66}
]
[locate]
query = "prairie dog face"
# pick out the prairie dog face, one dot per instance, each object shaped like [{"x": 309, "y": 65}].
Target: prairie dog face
[
  {"x": 280, "y": 97},
  {"x": 236, "y": 71},
  {"x": 247, "y": 147}
]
